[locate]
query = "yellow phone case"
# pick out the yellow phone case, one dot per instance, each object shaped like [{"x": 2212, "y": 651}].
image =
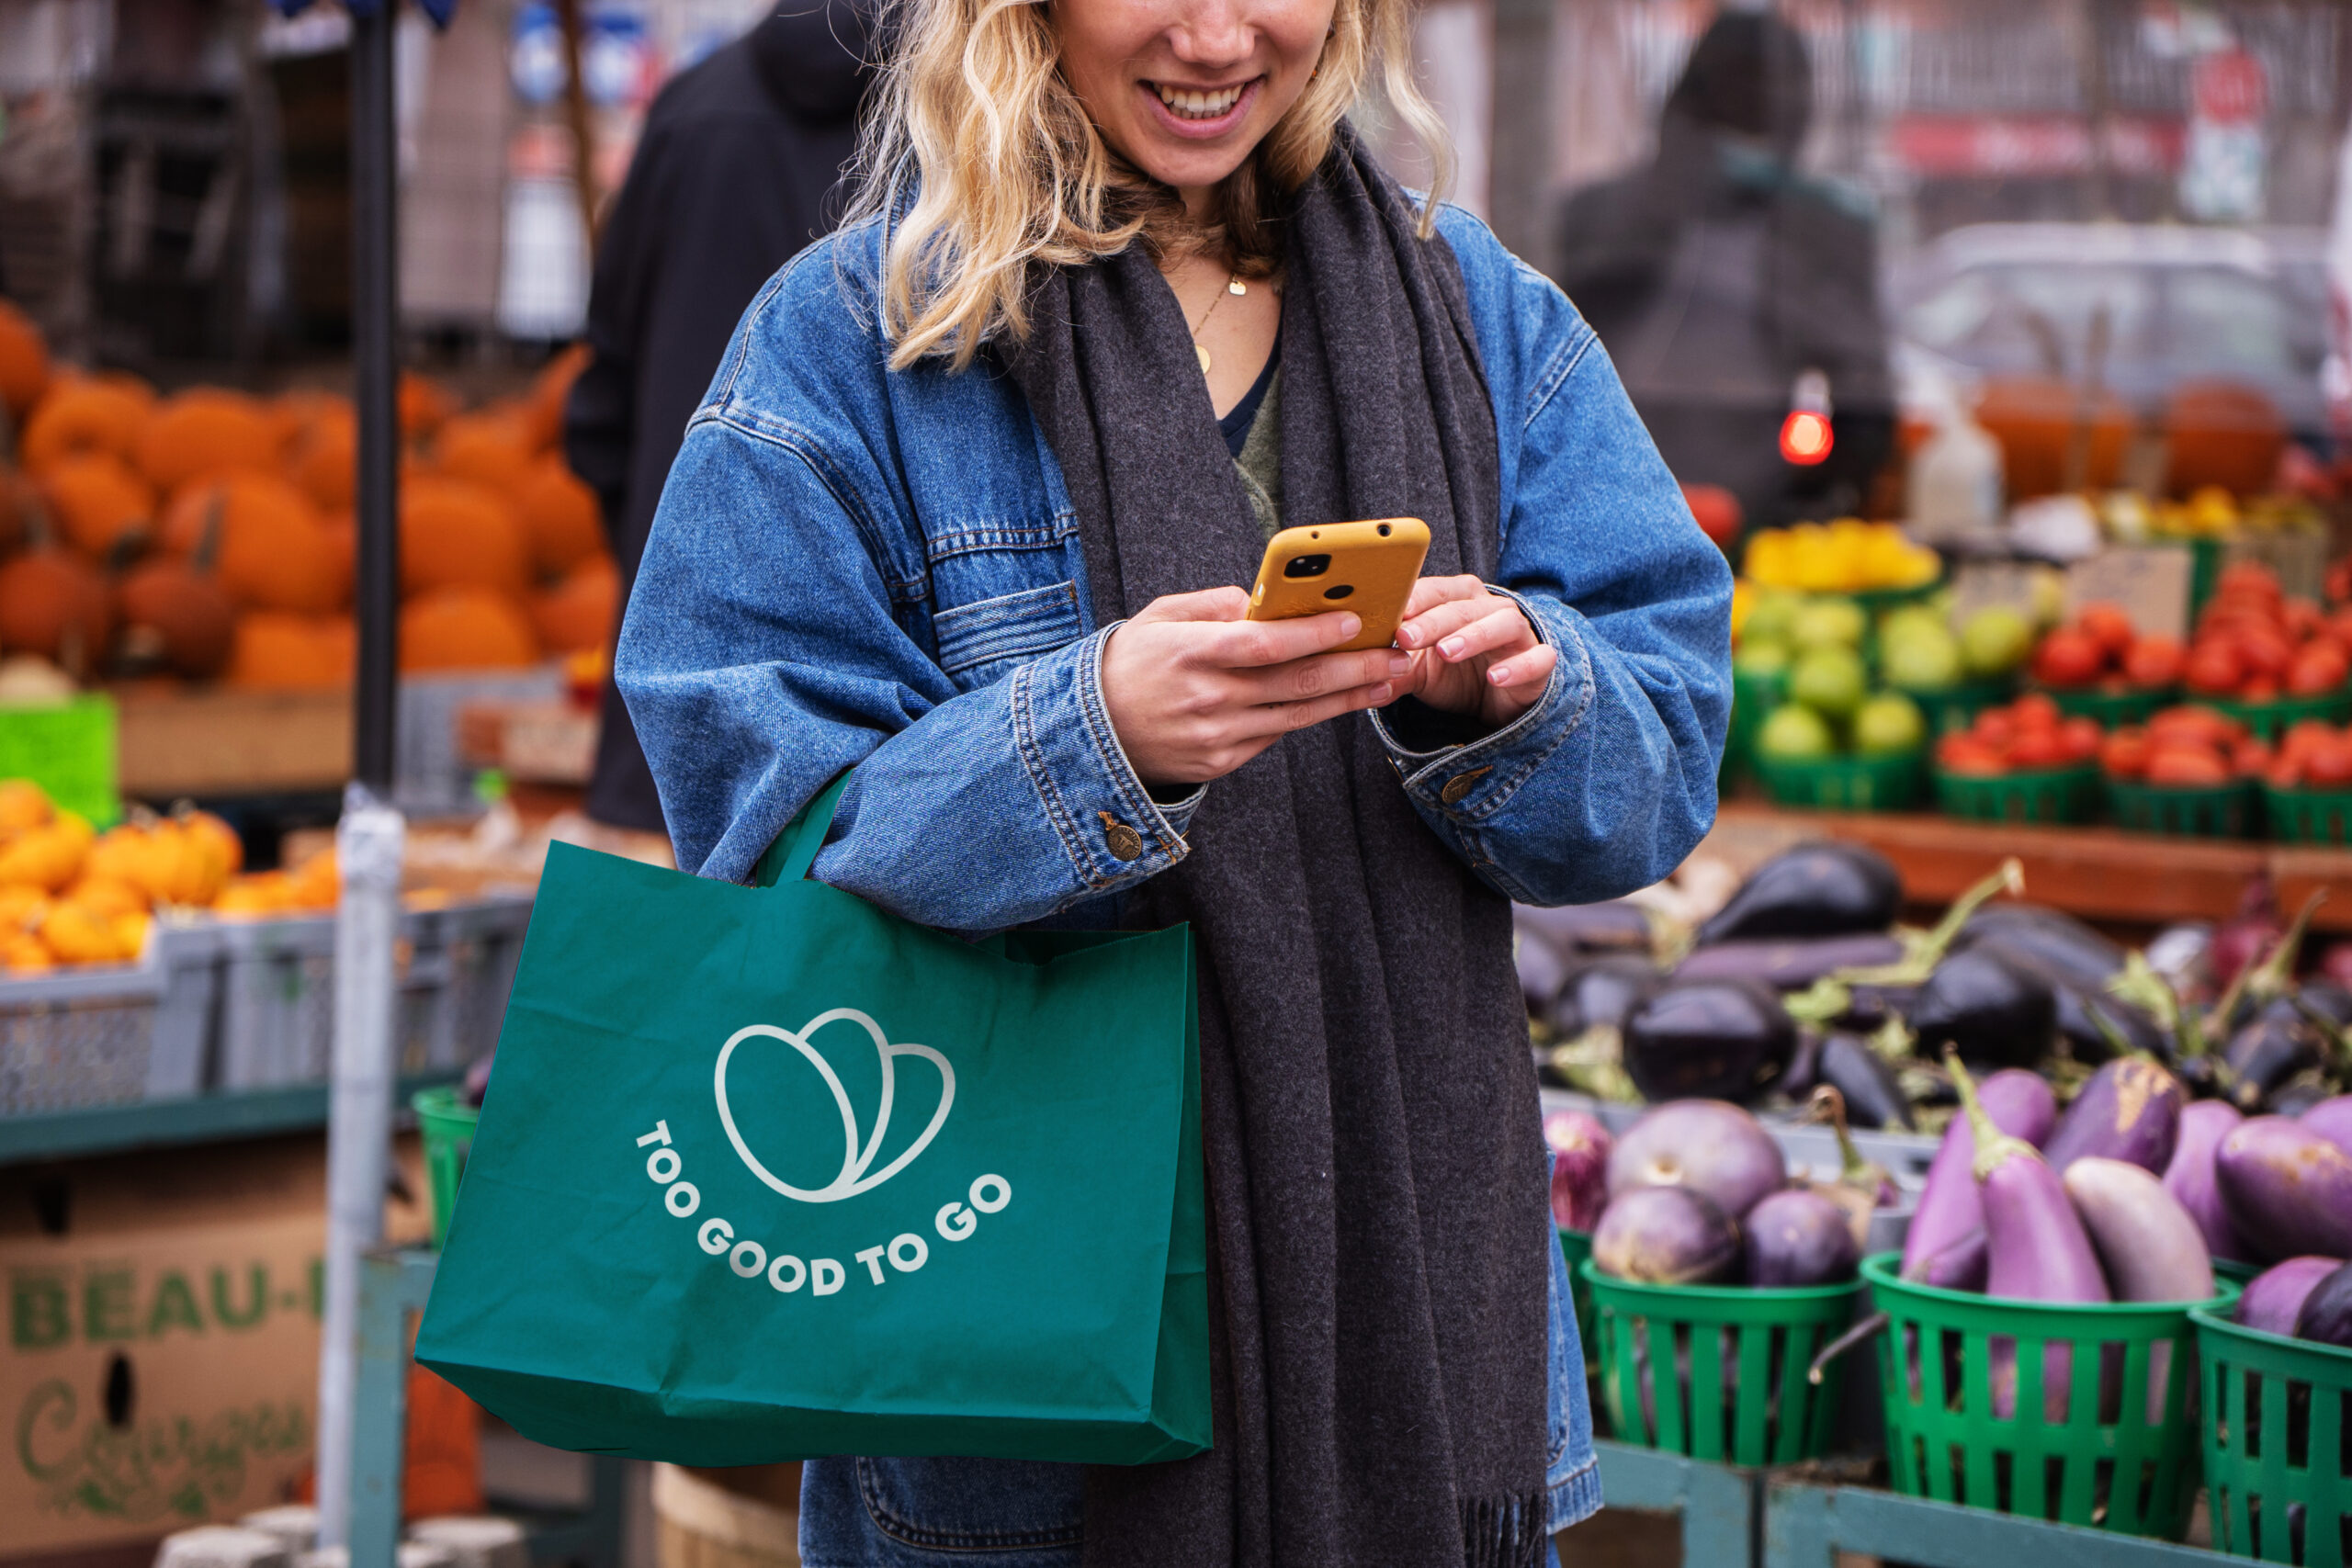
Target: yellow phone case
[{"x": 1369, "y": 568}]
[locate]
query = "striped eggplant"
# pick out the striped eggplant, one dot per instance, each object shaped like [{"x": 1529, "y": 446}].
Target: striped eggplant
[
  {"x": 2130, "y": 1110},
  {"x": 2287, "y": 1189},
  {"x": 1580, "y": 1147},
  {"x": 2274, "y": 1298},
  {"x": 1949, "y": 1212},
  {"x": 2190, "y": 1175},
  {"x": 2151, "y": 1250}
]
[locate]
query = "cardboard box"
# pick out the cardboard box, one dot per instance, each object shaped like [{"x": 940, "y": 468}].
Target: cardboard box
[{"x": 159, "y": 1352}]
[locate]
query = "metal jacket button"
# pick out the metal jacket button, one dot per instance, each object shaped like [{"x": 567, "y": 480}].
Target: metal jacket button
[
  {"x": 1124, "y": 842},
  {"x": 1461, "y": 784}
]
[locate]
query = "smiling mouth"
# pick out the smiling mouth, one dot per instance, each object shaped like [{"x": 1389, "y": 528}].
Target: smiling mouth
[{"x": 1200, "y": 103}]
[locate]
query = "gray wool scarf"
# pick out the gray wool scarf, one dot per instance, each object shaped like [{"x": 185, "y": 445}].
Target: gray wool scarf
[{"x": 1376, "y": 1185}]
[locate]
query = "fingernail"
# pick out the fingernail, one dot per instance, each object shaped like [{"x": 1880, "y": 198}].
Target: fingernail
[
  {"x": 1499, "y": 674},
  {"x": 1407, "y": 636},
  {"x": 1451, "y": 648},
  {"x": 1350, "y": 626},
  {"x": 1382, "y": 691},
  {"x": 1400, "y": 663}
]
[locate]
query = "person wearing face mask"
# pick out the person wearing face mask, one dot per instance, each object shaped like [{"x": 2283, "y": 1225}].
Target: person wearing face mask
[
  {"x": 739, "y": 166},
  {"x": 967, "y": 511}
]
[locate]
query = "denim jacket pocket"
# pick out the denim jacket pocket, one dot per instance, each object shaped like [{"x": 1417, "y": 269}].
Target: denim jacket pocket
[
  {"x": 974, "y": 1504},
  {"x": 981, "y": 642}
]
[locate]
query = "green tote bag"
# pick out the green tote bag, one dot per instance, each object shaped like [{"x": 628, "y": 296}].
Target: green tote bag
[{"x": 767, "y": 1173}]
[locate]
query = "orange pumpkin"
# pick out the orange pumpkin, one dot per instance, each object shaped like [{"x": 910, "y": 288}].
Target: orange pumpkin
[
  {"x": 178, "y": 613},
  {"x": 579, "y": 614},
  {"x": 82, "y": 413},
  {"x": 271, "y": 551},
  {"x": 465, "y": 628},
  {"x": 96, "y": 500},
  {"x": 561, "y": 514},
  {"x": 2035, "y": 418},
  {"x": 54, "y": 603},
  {"x": 2221, "y": 433},
  {"x": 24, "y": 361},
  {"x": 23, "y": 804},
  {"x": 459, "y": 535},
  {"x": 489, "y": 448},
  {"x": 424, "y": 404},
  {"x": 325, "y": 459},
  {"x": 202, "y": 431},
  {"x": 276, "y": 652},
  {"x": 550, "y": 389}
]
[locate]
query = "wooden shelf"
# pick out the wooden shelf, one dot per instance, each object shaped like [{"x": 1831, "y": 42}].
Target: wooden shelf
[{"x": 2098, "y": 873}]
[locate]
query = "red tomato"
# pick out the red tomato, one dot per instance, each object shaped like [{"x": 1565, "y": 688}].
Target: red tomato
[
  {"x": 2186, "y": 767},
  {"x": 1966, "y": 754},
  {"x": 2035, "y": 711},
  {"x": 1994, "y": 727},
  {"x": 2248, "y": 577},
  {"x": 2261, "y": 689},
  {"x": 2124, "y": 754},
  {"x": 2319, "y": 666},
  {"x": 2108, "y": 626},
  {"x": 2284, "y": 774},
  {"x": 2303, "y": 736},
  {"x": 2155, "y": 662},
  {"x": 2338, "y": 585},
  {"x": 2330, "y": 766},
  {"x": 2080, "y": 737},
  {"x": 2303, "y": 618},
  {"x": 2249, "y": 757},
  {"x": 2266, "y": 653},
  {"x": 2197, "y": 726},
  {"x": 2214, "y": 668},
  {"x": 2069, "y": 656},
  {"x": 2038, "y": 749}
]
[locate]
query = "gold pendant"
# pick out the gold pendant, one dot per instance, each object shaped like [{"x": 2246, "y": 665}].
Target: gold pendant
[
  {"x": 1234, "y": 286},
  {"x": 1204, "y": 358}
]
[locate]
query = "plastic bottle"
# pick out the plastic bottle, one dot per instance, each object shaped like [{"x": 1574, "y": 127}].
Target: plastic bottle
[{"x": 1955, "y": 479}]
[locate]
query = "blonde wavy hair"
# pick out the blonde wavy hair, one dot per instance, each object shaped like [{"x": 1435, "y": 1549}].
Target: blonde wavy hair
[{"x": 972, "y": 118}]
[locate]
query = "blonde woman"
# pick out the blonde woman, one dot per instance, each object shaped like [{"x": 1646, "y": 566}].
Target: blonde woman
[{"x": 968, "y": 508}]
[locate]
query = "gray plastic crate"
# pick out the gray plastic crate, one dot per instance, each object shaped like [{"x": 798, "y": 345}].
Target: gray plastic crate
[
  {"x": 111, "y": 1035},
  {"x": 455, "y": 967}
]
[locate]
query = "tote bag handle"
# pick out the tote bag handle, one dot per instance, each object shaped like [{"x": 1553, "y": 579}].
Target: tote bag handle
[{"x": 788, "y": 860}]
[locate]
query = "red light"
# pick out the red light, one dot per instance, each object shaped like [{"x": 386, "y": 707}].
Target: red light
[{"x": 1804, "y": 437}]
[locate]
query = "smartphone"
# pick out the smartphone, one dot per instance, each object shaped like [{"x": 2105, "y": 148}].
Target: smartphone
[{"x": 1369, "y": 568}]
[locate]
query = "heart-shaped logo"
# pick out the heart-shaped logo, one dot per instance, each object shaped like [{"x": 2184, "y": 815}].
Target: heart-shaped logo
[{"x": 855, "y": 1157}]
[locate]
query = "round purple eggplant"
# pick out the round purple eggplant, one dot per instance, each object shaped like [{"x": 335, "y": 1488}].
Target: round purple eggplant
[
  {"x": 1798, "y": 1237},
  {"x": 2190, "y": 1175},
  {"x": 2332, "y": 1120},
  {"x": 1789, "y": 963},
  {"x": 1820, "y": 889},
  {"x": 1705, "y": 1146},
  {"x": 1716, "y": 1039},
  {"x": 1581, "y": 1146},
  {"x": 2128, "y": 1110},
  {"x": 2287, "y": 1189},
  {"x": 2274, "y": 1298},
  {"x": 1601, "y": 991},
  {"x": 2326, "y": 1315},
  {"x": 1666, "y": 1236},
  {"x": 1995, "y": 1012}
]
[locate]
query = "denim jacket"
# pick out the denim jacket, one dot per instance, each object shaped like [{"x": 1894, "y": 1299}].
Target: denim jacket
[{"x": 854, "y": 566}]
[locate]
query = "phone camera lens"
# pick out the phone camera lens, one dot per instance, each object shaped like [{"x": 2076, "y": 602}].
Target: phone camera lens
[
  {"x": 1307, "y": 565},
  {"x": 1383, "y": 530},
  {"x": 1339, "y": 591}
]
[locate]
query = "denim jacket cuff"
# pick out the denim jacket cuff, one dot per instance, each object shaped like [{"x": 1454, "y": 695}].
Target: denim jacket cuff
[
  {"x": 1471, "y": 782},
  {"x": 1109, "y": 825}
]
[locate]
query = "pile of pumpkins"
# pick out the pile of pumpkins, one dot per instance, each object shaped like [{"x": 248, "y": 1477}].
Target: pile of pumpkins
[
  {"x": 70, "y": 894},
  {"x": 210, "y": 534}
]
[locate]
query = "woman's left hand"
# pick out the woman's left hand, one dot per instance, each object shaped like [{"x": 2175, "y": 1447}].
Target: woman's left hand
[{"x": 1473, "y": 651}]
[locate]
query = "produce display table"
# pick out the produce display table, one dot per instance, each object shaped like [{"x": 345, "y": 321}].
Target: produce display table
[
  {"x": 2100, "y": 873},
  {"x": 1717, "y": 1502},
  {"x": 1807, "y": 1526},
  {"x": 217, "y": 1117}
]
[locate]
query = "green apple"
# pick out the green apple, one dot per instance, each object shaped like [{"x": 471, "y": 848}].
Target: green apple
[
  {"x": 1889, "y": 724},
  {"x": 1995, "y": 640},
  {"x": 1759, "y": 660},
  {"x": 1919, "y": 656},
  {"x": 1771, "y": 618},
  {"x": 1795, "y": 733},
  {"x": 1829, "y": 679},
  {"x": 1828, "y": 623}
]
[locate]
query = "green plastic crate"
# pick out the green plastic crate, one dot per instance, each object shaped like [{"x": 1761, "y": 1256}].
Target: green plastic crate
[
  {"x": 1845, "y": 783},
  {"x": 2116, "y": 1468},
  {"x": 2272, "y": 719},
  {"x": 2307, "y": 816},
  {"x": 2223, "y": 812},
  {"x": 2135, "y": 704},
  {"x": 2278, "y": 1442},
  {"x": 447, "y": 1122},
  {"x": 68, "y": 748},
  {"x": 1724, "y": 1367},
  {"x": 1950, "y": 709},
  {"x": 2041, "y": 794}
]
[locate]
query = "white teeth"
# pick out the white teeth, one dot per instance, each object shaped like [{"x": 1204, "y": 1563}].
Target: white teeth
[{"x": 1190, "y": 105}]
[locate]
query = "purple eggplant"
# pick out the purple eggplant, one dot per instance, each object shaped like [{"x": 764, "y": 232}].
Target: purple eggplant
[
  {"x": 1600, "y": 991},
  {"x": 2326, "y": 1315},
  {"x": 1804, "y": 1067},
  {"x": 1705, "y": 1146},
  {"x": 1713, "y": 1039},
  {"x": 1666, "y": 1236},
  {"x": 1949, "y": 1212},
  {"x": 2151, "y": 1250},
  {"x": 1992, "y": 1010},
  {"x": 2130, "y": 1110},
  {"x": 2265, "y": 1054},
  {"x": 2051, "y": 937},
  {"x": 2190, "y": 1175},
  {"x": 1820, "y": 889},
  {"x": 1572, "y": 929},
  {"x": 1581, "y": 1146},
  {"x": 1958, "y": 1267},
  {"x": 1873, "y": 1096},
  {"x": 2287, "y": 1189},
  {"x": 1541, "y": 971},
  {"x": 2036, "y": 1248},
  {"x": 1789, "y": 963},
  {"x": 1798, "y": 1237},
  {"x": 2274, "y": 1298},
  {"x": 2332, "y": 1120},
  {"x": 2303, "y": 1092}
]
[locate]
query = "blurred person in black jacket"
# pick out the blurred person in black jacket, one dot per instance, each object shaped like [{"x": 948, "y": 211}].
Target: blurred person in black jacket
[
  {"x": 739, "y": 165},
  {"x": 1717, "y": 275}
]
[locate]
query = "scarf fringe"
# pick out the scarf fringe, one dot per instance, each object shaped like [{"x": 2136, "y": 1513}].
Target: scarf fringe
[{"x": 1504, "y": 1532}]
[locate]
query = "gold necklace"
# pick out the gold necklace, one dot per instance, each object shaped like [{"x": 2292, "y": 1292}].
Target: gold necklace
[{"x": 1233, "y": 285}]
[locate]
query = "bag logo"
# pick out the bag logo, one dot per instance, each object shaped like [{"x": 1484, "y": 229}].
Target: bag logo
[{"x": 854, "y": 1178}]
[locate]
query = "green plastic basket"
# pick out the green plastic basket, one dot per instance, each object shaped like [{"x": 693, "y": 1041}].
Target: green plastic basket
[
  {"x": 2223, "y": 812},
  {"x": 1877, "y": 601},
  {"x": 2113, "y": 1468},
  {"x": 1577, "y": 1246},
  {"x": 1753, "y": 697},
  {"x": 447, "y": 1124},
  {"x": 2307, "y": 816},
  {"x": 1845, "y": 783},
  {"x": 2272, "y": 719},
  {"x": 2277, "y": 1444},
  {"x": 2135, "y": 704},
  {"x": 1950, "y": 709},
  {"x": 2041, "y": 794},
  {"x": 1726, "y": 1366}
]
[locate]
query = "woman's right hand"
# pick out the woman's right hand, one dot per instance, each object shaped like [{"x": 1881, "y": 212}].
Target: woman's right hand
[{"x": 1195, "y": 690}]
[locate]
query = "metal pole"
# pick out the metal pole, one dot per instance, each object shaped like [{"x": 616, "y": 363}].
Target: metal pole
[{"x": 370, "y": 840}]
